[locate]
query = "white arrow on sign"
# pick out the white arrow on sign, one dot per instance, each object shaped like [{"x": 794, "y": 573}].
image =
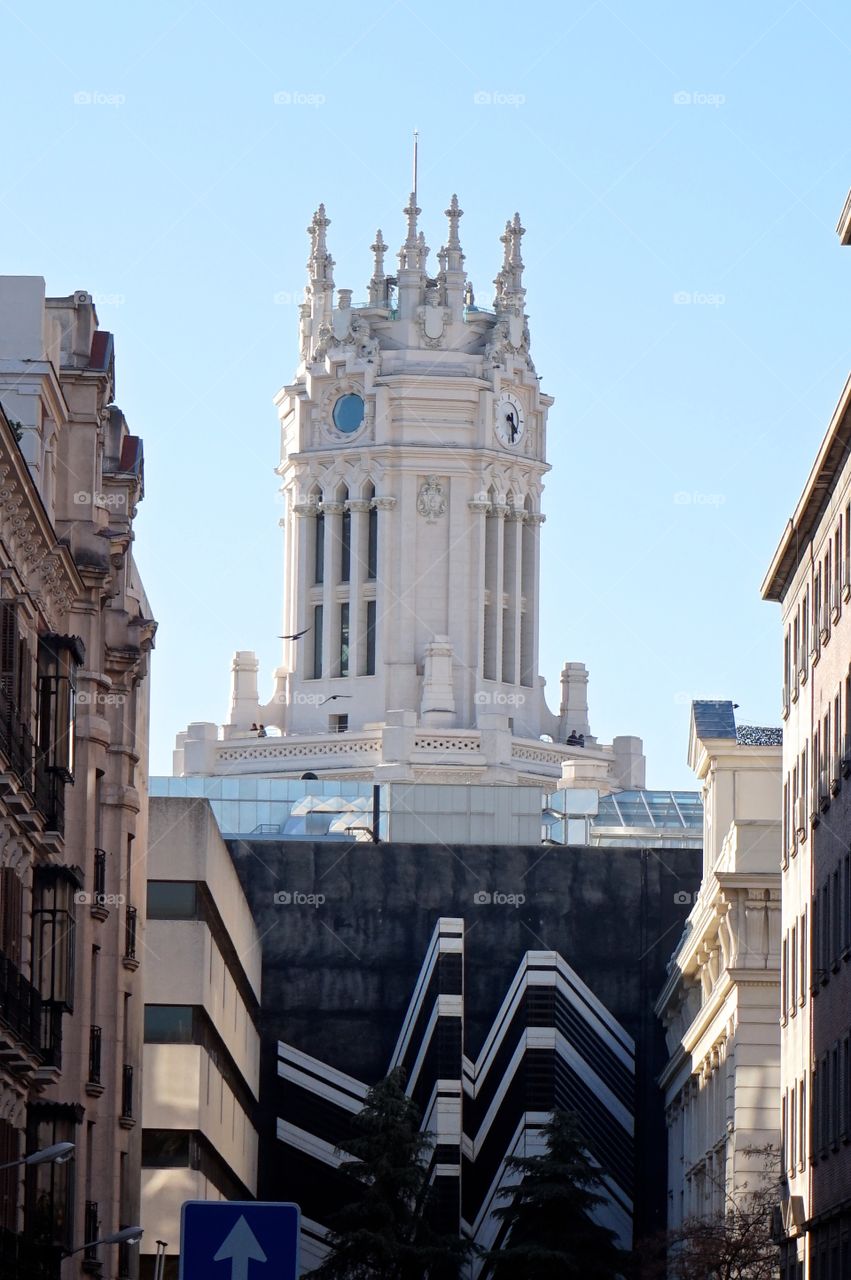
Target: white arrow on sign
[{"x": 242, "y": 1247}]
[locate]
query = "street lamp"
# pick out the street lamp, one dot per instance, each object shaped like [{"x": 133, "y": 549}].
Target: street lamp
[
  {"x": 58, "y": 1153},
  {"x": 127, "y": 1235}
]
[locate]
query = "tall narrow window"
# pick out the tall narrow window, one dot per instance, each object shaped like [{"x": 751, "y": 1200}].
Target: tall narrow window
[
  {"x": 344, "y": 639},
  {"x": 317, "y": 641},
  {"x": 370, "y": 637},
  {"x": 345, "y": 545},
  {"x": 372, "y": 545},
  {"x": 53, "y": 935},
  {"x": 319, "y": 548}
]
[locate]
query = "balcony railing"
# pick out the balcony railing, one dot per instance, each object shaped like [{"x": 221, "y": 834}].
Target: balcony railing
[
  {"x": 126, "y": 1092},
  {"x": 99, "y": 878},
  {"x": 51, "y": 1033},
  {"x": 20, "y": 1005},
  {"x": 91, "y": 1222},
  {"x": 130, "y": 934},
  {"x": 23, "y": 1258},
  {"x": 16, "y": 741},
  {"x": 94, "y": 1055},
  {"x": 49, "y": 794}
]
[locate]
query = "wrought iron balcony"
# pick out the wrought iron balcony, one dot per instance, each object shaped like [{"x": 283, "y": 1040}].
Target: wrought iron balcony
[
  {"x": 91, "y": 1225},
  {"x": 23, "y": 1258},
  {"x": 94, "y": 1055},
  {"x": 20, "y": 1007},
  {"x": 99, "y": 876},
  {"x": 16, "y": 741},
  {"x": 49, "y": 794},
  {"x": 126, "y": 1092},
  {"x": 130, "y": 934}
]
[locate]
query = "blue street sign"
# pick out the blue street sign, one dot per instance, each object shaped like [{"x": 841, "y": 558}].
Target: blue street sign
[{"x": 238, "y": 1240}]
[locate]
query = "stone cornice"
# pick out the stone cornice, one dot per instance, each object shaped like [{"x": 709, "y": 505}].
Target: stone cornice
[{"x": 46, "y": 565}]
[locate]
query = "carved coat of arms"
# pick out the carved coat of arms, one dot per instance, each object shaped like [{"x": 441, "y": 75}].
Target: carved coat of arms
[{"x": 431, "y": 499}]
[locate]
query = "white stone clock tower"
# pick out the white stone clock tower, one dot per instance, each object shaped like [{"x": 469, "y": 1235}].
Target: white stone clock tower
[{"x": 413, "y": 451}]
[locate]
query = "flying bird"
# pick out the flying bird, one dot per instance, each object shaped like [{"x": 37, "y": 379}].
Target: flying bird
[{"x": 297, "y": 635}]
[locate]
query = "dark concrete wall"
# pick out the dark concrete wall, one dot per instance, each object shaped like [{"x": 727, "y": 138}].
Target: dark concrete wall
[{"x": 338, "y": 976}]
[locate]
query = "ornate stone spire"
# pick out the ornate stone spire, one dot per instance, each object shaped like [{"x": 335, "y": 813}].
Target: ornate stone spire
[
  {"x": 320, "y": 270},
  {"x": 517, "y": 232},
  {"x": 504, "y": 273},
  {"x": 378, "y": 283},
  {"x": 454, "y": 215},
  {"x": 320, "y": 264},
  {"x": 509, "y": 282},
  {"x": 453, "y": 277},
  {"x": 409, "y": 250},
  {"x": 422, "y": 251}
]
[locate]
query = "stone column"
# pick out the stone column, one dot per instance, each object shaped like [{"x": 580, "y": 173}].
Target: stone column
[
  {"x": 297, "y": 608},
  {"x": 531, "y": 573},
  {"x": 513, "y": 589},
  {"x": 479, "y": 506},
  {"x": 330, "y": 566},
  {"x": 384, "y": 504},
  {"x": 500, "y": 511},
  {"x": 359, "y": 511}
]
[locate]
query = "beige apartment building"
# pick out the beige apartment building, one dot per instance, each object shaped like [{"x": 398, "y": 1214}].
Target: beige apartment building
[
  {"x": 75, "y": 633},
  {"x": 202, "y": 1044},
  {"x": 810, "y": 577},
  {"x": 720, "y": 1003}
]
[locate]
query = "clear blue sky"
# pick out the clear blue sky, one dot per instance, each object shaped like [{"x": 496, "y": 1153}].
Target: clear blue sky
[{"x": 179, "y": 195}]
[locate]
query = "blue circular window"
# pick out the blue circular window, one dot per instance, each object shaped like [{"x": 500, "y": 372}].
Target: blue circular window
[{"x": 348, "y": 413}]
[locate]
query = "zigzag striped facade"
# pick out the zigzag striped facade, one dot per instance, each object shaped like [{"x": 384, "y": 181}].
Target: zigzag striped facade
[{"x": 552, "y": 1044}]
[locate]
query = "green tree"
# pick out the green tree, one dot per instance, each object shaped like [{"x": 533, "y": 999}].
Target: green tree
[
  {"x": 386, "y": 1230},
  {"x": 550, "y": 1233}
]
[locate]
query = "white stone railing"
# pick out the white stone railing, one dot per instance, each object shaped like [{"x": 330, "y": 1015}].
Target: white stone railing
[
  {"x": 446, "y": 741},
  {"x": 271, "y": 751}
]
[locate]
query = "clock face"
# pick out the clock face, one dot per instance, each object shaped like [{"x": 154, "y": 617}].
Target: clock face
[
  {"x": 348, "y": 412},
  {"x": 510, "y": 423}
]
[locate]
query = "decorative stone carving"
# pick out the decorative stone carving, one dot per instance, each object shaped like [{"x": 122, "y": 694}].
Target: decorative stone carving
[{"x": 431, "y": 499}]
